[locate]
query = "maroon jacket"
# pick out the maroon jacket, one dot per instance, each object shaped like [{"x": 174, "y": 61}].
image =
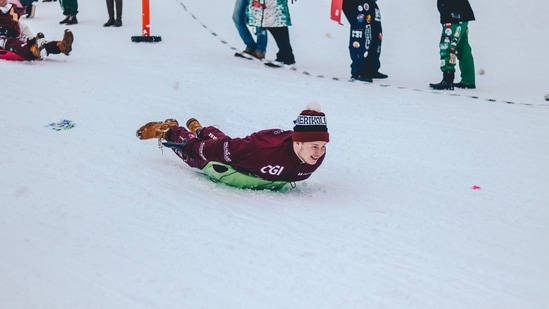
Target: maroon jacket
[
  {"x": 9, "y": 23},
  {"x": 266, "y": 154}
]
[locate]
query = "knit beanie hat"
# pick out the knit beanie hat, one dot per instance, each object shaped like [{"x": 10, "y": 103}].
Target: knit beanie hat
[{"x": 311, "y": 125}]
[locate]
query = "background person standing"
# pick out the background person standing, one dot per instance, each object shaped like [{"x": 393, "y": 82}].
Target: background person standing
[
  {"x": 273, "y": 15},
  {"x": 364, "y": 38},
  {"x": 114, "y": 21},
  {"x": 256, "y": 49},
  {"x": 70, "y": 9},
  {"x": 454, "y": 44}
]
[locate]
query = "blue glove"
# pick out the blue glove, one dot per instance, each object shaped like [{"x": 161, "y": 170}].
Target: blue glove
[{"x": 176, "y": 146}]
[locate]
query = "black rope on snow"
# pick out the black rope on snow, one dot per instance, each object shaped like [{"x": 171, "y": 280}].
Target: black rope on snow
[{"x": 293, "y": 68}]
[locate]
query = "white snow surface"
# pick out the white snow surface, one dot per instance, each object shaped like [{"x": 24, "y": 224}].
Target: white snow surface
[{"x": 425, "y": 199}]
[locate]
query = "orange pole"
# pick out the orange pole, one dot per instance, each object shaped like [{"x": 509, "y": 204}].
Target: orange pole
[
  {"x": 146, "y": 26},
  {"x": 146, "y": 18}
]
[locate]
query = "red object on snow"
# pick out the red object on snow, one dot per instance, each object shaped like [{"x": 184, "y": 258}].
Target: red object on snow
[
  {"x": 146, "y": 25},
  {"x": 336, "y": 10},
  {"x": 8, "y": 55},
  {"x": 475, "y": 187}
]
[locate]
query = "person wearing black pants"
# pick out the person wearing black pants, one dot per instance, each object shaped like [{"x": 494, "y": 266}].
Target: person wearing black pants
[
  {"x": 273, "y": 15},
  {"x": 285, "y": 53},
  {"x": 365, "y": 38},
  {"x": 114, "y": 21}
]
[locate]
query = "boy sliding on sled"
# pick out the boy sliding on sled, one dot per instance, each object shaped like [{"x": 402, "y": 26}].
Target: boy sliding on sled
[
  {"x": 17, "y": 41},
  {"x": 268, "y": 159}
]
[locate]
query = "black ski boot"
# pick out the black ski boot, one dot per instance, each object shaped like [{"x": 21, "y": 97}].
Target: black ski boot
[
  {"x": 465, "y": 86},
  {"x": 447, "y": 82}
]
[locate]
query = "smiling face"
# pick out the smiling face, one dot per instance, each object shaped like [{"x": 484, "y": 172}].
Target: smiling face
[{"x": 310, "y": 152}]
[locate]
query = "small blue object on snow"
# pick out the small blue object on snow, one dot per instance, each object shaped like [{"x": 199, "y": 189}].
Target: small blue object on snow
[{"x": 64, "y": 124}]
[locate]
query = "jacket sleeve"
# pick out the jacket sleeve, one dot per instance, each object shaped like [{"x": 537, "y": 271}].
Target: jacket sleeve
[
  {"x": 225, "y": 149},
  {"x": 25, "y": 30}
]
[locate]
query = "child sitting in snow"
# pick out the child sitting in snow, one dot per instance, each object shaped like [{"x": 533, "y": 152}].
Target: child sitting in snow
[{"x": 18, "y": 42}]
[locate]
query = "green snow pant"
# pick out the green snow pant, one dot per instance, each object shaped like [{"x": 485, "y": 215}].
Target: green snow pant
[
  {"x": 70, "y": 7},
  {"x": 454, "y": 47}
]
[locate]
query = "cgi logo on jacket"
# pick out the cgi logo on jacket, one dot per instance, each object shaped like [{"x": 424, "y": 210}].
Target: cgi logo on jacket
[{"x": 273, "y": 170}]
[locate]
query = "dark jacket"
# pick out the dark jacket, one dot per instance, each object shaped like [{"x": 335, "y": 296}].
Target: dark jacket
[
  {"x": 455, "y": 11},
  {"x": 351, "y": 8}
]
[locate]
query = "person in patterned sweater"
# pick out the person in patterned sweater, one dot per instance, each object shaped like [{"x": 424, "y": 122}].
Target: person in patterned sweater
[
  {"x": 273, "y": 15},
  {"x": 267, "y": 159},
  {"x": 17, "y": 39}
]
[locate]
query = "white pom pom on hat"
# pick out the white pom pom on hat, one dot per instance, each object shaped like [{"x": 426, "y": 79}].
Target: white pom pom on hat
[{"x": 314, "y": 106}]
